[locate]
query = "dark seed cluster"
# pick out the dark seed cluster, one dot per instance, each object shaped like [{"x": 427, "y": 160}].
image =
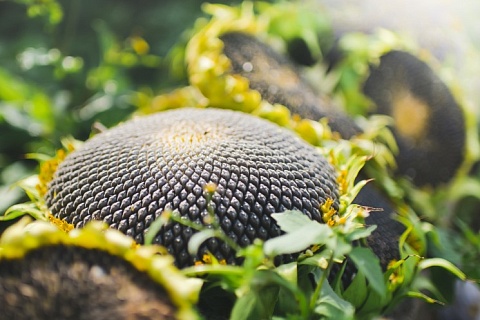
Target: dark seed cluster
[
  {"x": 278, "y": 81},
  {"x": 401, "y": 86},
  {"x": 70, "y": 282},
  {"x": 129, "y": 175},
  {"x": 384, "y": 239},
  {"x": 429, "y": 124}
]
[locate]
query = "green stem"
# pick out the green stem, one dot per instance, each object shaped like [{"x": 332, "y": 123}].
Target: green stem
[
  {"x": 175, "y": 216},
  {"x": 216, "y": 227},
  {"x": 318, "y": 289},
  {"x": 222, "y": 236},
  {"x": 214, "y": 269},
  {"x": 211, "y": 212}
]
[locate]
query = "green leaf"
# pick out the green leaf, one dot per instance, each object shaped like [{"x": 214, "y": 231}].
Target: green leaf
[
  {"x": 198, "y": 238},
  {"x": 374, "y": 305},
  {"x": 340, "y": 247},
  {"x": 291, "y": 220},
  {"x": 360, "y": 233},
  {"x": 261, "y": 299},
  {"x": 288, "y": 271},
  {"x": 424, "y": 284},
  {"x": 332, "y": 306},
  {"x": 419, "y": 295},
  {"x": 308, "y": 276},
  {"x": 368, "y": 263},
  {"x": 337, "y": 282},
  {"x": 155, "y": 227},
  {"x": 469, "y": 187},
  {"x": 468, "y": 233},
  {"x": 408, "y": 265},
  {"x": 267, "y": 297},
  {"x": 442, "y": 263},
  {"x": 256, "y": 305},
  {"x": 244, "y": 308},
  {"x": 317, "y": 260},
  {"x": 357, "y": 292},
  {"x": 287, "y": 303},
  {"x": 22, "y": 209},
  {"x": 299, "y": 239}
]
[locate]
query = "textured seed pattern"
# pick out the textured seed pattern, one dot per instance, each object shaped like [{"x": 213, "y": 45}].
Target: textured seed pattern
[
  {"x": 130, "y": 174},
  {"x": 68, "y": 282}
]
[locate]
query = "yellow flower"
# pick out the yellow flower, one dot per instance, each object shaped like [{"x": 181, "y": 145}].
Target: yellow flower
[
  {"x": 139, "y": 45},
  {"x": 49, "y": 167},
  {"x": 61, "y": 224},
  {"x": 210, "y": 187}
]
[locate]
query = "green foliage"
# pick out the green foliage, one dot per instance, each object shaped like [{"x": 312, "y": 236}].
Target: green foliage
[
  {"x": 49, "y": 9},
  {"x": 361, "y": 51},
  {"x": 70, "y": 64}
]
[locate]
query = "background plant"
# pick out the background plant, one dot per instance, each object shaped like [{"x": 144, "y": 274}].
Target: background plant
[{"x": 66, "y": 65}]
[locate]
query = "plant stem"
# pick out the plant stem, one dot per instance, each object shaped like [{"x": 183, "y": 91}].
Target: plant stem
[{"x": 318, "y": 289}]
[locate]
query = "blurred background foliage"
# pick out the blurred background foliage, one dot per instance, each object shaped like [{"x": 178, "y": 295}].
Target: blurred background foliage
[{"x": 67, "y": 64}]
